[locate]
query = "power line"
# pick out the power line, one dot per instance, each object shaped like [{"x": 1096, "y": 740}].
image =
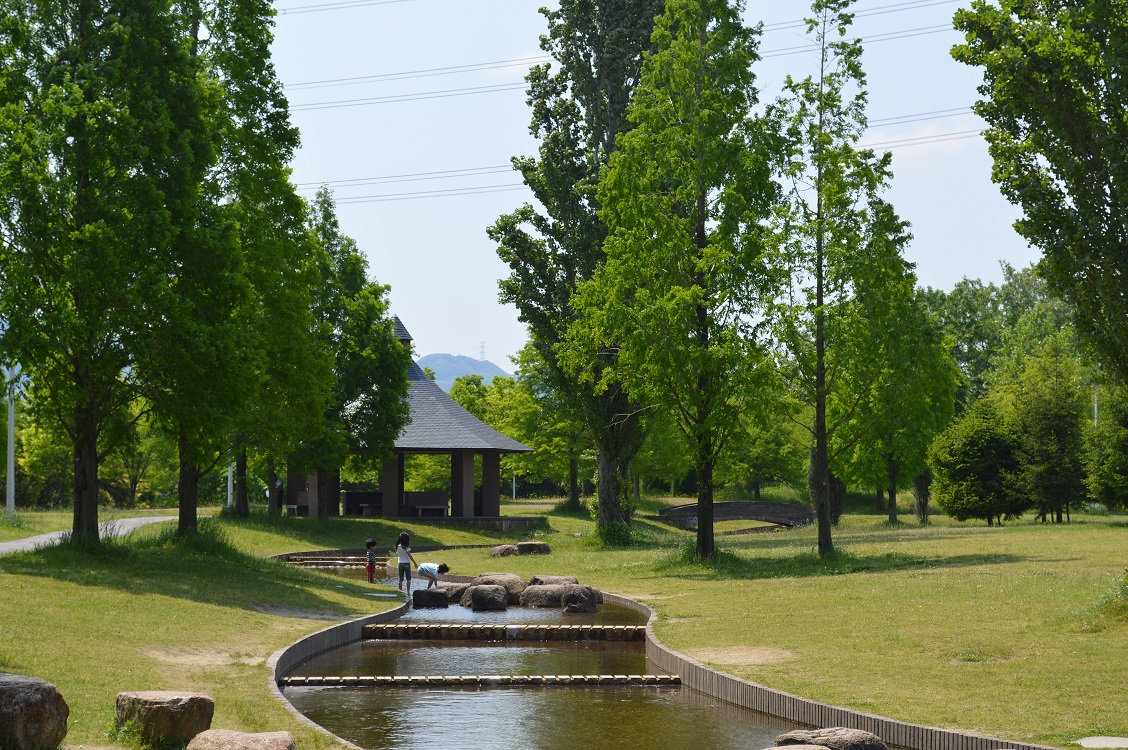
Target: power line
[
  {"x": 394, "y": 98},
  {"x": 424, "y": 73},
  {"x": 384, "y": 197},
  {"x": 938, "y": 114},
  {"x": 343, "y": 5},
  {"x": 878, "y": 11},
  {"x": 889, "y": 36},
  {"x": 924, "y": 139}
]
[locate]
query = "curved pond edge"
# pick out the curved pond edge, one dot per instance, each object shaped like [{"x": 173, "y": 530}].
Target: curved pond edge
[{"x": 693, "y": 674}]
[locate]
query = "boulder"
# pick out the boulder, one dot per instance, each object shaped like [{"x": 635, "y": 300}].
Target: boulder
[
  {"x": 33, "y": 715},
  {"x": 486, "y": 598},
  {"x": 542, "y": 597},
  {"x": 533, "y": 548},
  {"x": 834, "y": 738},
  {"x": 432, "y": 598},
  {"x": 226, "y": 739},
  {"x": 454, "y": 591},
  {"x": 552, "y": 580},
  {"x": 166, "y": 716},
  {"x": 512, "y": 583},
  {"x": 504, "y": 550},
  {"x": 577, "y": 598}
]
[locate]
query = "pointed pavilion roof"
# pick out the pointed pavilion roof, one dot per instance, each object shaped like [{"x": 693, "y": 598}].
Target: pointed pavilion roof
[{"x": 438, "y": 424}]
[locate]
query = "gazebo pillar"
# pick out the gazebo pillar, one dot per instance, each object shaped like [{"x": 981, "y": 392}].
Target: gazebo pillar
[
  {"x": 391, "y": 480},
  {"x": 491, "y": 483},
  {"x": 462, "y": 483}
]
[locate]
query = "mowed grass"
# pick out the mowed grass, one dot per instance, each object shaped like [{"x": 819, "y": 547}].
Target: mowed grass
[{"x": 999, "y": 631}]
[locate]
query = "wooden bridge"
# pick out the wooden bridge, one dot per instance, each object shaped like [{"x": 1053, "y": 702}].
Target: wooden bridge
[{"x": 783, "y": 514}]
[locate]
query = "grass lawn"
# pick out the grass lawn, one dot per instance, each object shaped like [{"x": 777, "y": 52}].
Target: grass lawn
[
  {"x": 993, "y": 630},
  {"x": 30, "y": 523}
]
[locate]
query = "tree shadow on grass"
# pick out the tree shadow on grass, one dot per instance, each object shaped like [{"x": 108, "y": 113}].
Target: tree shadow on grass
[
  {"x": 204, "y": 568},
  {"x": 727, "y": 564}
]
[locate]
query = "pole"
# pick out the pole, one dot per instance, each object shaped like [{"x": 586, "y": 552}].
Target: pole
[
  {"x": 230, "y": 484},
  {"x": 1096, "y": 389},
  {"x": 514, "y": 488},
  {"x": 11, "y": 488}
]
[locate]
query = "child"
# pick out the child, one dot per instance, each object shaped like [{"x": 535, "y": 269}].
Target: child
[
  {"x": 431, "y": 572},
  {"x": 403, "y": 552},
  {"x": 370, "y": 564}
]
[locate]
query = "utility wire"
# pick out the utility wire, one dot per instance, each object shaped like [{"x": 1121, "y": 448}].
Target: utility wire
[
  {"x": 424, "y": 73},
  {"x": 445, "y": 174},
  {"x": 494, "y": 88},
  {"x": 343, "y": 5},
  {"x": 878, "y": 11}
]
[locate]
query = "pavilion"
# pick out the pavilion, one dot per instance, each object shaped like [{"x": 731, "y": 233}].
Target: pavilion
[{"x": 439, "y": 425}]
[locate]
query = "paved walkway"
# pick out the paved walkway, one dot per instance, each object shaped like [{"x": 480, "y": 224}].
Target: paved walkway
[{"x": 116, "y": 527}]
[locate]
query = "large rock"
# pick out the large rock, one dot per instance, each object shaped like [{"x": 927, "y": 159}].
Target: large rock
[
  {"x": 552, "y": 580},
  {"x": 512, "y": 583},
  {"x": 166, "y": 716},
  {"x": 486, "y": 598},
  {"x": 542, "y": 597},
  {"x": 504, "y": 550},
  {"x": 454, "y": 591},
  {"x": 33, "y": 715},
  {"x": 226, "y": 739},
  {"x": 533, "y": 548},
  {"x": 433, "y": 598},
  {"x": 834, "y": 738},
  {"x": 577, "y": 598}
]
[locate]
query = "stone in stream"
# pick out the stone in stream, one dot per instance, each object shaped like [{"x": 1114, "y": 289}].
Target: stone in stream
[
  {"x": 432, "y": 598},
  {"x": 546, "y": 596},
  {"x": 454, "y": 591},
  {"x": 486, "y": 597},
  {"x": 577, "y": 598},
  {"x": 552, "y": 580},
  {"x": 33, "y": 715},
  {"x": 165, "y": 716},
  {"x": 227, "y": 739},
  {"x": 513, "y": 584},
  {"x": 834, "y": 738}
]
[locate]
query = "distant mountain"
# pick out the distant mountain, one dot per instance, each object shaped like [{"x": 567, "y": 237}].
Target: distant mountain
[{"x": 447, "y": 367}]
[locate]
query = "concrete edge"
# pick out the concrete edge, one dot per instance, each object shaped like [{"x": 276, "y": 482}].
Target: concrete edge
[
  {"x": 779, "y": 704},
  {"x": 693, "y": 674}
]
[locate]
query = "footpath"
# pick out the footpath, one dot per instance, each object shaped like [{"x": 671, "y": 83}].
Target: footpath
[{"x": 116, "y": 527}]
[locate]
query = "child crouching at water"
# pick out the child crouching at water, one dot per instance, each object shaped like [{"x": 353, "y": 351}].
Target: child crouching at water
[{"x": 431, "y": 572}]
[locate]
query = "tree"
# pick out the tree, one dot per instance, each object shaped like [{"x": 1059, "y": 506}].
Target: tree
[
  {"x": 579, "y": 113},
  {"x": 685, "y": 198},
  {"x": 367, "y": 407},
  {"x": 102, "y": 121},
  {"x": 834, "y": 237},
  {"x": 975, "y": 465},
  {"x": 1048, "y": 404},
  {"x": 970, "y": 315},
  {"x": 911, "y": 400},
  {"x": 1054, "y": 98},
  {"x": 1106, "y": 454}
]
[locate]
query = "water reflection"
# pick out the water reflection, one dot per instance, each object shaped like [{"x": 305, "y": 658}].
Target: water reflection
[{"x": 542, "y": 718}]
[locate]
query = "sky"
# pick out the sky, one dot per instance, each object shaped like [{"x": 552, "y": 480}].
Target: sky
[{"x": 410, "y": 110}]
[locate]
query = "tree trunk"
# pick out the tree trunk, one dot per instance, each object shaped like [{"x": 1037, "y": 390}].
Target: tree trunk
[
  {"x": 610, "y": 493},
  {"x": 892, "y": 466},
  {"x": 756, "y": 489},
  {"x": 637, "y": 489},
  {"x": 573, "y": 482},
  {"x": 85, "y": 480},
  {"x": 706, "y": 543},
  {"x": 188, "y": 489},
  {"x": 242, "y": 502},
  {"x": 879, "y": 500},
  {"x": 322, "y": 494}
]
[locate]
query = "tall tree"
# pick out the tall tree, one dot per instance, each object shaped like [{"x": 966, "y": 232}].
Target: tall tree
[
  {"x": 835, "y": 237},
  {"x": 1054, "y": 97},
  {"x": 685, "y": 198},
  {"x": 579, "y": 113},
  {"x": 101, "y": 129},
  {"x": 367, "y": 406}
]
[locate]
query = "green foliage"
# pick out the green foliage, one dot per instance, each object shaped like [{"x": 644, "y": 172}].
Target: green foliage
[
  {"x": 579, "y": 112},
  {"x": 975, "y": 466},
  {"x": 1052, "y": 93},
  {"x": 684, "y": 199},
  {"x": 1106, "y": 453}
]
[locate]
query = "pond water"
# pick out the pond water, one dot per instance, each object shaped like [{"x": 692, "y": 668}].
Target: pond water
[{"x": 530, "y": 718}]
